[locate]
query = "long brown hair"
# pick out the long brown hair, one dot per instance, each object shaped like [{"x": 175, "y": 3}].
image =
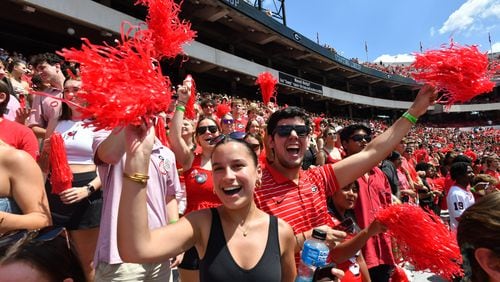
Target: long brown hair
[{"x": 479, "y": 227}]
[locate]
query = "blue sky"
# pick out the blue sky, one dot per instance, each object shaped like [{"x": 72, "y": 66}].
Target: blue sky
[{"x": 394, "y": 28}]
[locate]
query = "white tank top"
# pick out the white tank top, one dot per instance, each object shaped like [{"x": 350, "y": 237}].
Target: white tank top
[{"x": 77, "y": 141}]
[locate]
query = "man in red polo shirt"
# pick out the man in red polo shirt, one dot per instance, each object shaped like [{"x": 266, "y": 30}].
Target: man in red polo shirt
[
  {"x": 374, "y": 195},
  {"x": 299, "y": 197}
]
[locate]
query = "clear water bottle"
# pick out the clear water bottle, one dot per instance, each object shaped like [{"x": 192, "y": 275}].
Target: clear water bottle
[{"x": 314, "y": 254}]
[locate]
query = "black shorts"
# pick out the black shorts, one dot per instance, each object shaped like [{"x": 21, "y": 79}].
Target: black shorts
[
  {"x": 85, "y": 214},
  {"x": 191, "y": 260}
]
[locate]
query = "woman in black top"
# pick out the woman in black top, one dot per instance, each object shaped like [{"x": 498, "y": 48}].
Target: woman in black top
[{"x": 235, "y": 241}]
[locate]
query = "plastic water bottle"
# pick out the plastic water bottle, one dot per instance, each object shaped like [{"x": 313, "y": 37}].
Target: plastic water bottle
[{"x": 314, "y": 254}]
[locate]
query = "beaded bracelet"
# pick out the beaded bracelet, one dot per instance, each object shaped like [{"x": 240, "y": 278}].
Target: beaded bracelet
[{"x": 411, "y": 118}]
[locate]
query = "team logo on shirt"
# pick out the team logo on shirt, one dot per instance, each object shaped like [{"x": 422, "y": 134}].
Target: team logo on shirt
[
  {"x": 163, "y": 166},
  {"x": 199, "y": 177},
  {"x": 54, "y": 104},
  {"x": 314, "y": 189}
]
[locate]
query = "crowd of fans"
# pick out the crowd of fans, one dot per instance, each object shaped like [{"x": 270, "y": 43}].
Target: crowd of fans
[{"x": 307, "y": 169}]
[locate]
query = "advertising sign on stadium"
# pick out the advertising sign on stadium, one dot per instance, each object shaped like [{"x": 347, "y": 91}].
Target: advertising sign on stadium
[{"x": 296, "y": 82}]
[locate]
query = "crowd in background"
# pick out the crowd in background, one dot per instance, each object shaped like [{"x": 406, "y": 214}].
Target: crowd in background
[{"x": 419, "y": 170}]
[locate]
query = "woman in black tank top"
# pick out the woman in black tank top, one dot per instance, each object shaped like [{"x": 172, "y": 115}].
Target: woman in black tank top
[{"x": 235, "y": 241}]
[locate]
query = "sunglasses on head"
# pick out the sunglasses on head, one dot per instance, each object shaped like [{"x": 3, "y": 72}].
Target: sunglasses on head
[
  {"x": 202, "y": 129},
  {"x": 227, "y": 121},
  {"x": 45, "y": 234},
  {"x": 360, "y": 137},
  {"x": 286, "y": 130},
  {"x": 237, "y": 135}
]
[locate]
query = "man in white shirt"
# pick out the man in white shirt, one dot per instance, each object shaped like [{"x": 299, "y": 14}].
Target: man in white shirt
[{"x": 459, "y": 197}]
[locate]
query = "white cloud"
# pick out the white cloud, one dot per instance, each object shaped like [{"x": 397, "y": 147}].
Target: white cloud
[
  {"x": 468, "y": 15},
  {"x": 400, "y": 58},
  {"x": 432, "y": 31},
  {"x": 495, "y": 47}
]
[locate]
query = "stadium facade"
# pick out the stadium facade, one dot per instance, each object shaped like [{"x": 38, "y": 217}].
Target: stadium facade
[{"x": 235, "y": 42}]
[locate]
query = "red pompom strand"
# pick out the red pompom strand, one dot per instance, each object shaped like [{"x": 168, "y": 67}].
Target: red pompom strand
[
  {"x": 61, "y": 177},
  {"x": 424, "y": 240},
  {"x": 399, "y": 275},
  {"x": 121, "y": 85},
  {"x": 460, "y": 72},
  {"x": 267, "y": 84},
  {"x": 190, "y": 112},
  {"x": 22, "y": 101},
  {"x": 161, "y": 132},
  {"x": 223, "y": 109},
  {"x": 169, "y": 33}
]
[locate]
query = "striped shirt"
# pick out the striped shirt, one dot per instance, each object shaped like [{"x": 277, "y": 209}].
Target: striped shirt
[{"x": 303, "y": 206}]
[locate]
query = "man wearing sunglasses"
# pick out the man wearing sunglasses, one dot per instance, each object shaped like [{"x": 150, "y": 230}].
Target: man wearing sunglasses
[{"x": 299, "y": 197}]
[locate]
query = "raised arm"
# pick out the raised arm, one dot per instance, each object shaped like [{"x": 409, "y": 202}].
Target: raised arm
[
  {"x": 182, "y": 152},
  {"x": 28, "y": 191},
  {"x": 111, "y": 150},
  {"x": 136, "y": 242},
  {"x": 352, "y": 167}
]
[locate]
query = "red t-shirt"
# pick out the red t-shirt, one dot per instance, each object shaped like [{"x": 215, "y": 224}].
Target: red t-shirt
[
  {"x": 19, "y": 136},
  {"x": 199, "y": 187},
  {"x": 374, "y": 195},
  {"x": 240, "y": 124}
]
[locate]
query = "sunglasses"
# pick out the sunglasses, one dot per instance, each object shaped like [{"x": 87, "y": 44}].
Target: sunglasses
[
  {"x": 202, "y": 129},
  {"x": 359, "y": 138},
  {"x": 209, "y": 106},
  {"x": 45, "y": 234},
  {"x": 254, "y": 147},
  {"x": 237, "y": 135},
  {"x": 286, "y": 130},
  {"x": 227, "y": 121}
]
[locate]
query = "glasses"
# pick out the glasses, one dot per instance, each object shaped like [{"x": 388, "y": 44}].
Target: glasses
[
  {"x": 286, "y": 130},
  {"x": 237, "y": 135},
  {"x": 359, "y": 138},
  {"x": 330, "y": 134},
  {"x": 227, "y": 121},
  {"x": 254, "y": 147},
  {"x": 209, "y": 106},
  {"x": 202, "y": 129},
  {"x": 45, "y": 234}
]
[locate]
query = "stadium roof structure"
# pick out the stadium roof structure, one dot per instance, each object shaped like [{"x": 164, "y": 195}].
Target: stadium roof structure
[{"x": 235, "y": 43}]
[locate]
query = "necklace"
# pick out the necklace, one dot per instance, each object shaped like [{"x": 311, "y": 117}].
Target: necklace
[{"x": 242, "y": 222}]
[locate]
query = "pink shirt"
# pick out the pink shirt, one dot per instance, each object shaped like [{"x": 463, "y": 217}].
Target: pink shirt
[
  {"x": 12, "y": 107},
  {"x": 45, "y": 108},
  {"x": 163, "y": 182}
]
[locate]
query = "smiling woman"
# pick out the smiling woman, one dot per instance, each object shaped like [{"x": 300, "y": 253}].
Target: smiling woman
[{"x": 220, "y": 235}]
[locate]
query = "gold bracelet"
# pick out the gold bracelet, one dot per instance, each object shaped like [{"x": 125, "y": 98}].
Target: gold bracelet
[{"x": 137, "y": 177}]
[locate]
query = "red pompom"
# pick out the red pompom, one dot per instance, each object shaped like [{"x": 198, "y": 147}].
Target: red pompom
[
  {"x": 424, "y": 240},
  {"x": 460, "y": 72},
  {"x": 61, "y": 177},
  {"x": 161, "y": 132},
  {"x": 121, "y": 85},
  {"x": 267, "y": 84},
  {"x": 169, "y": 33},
  {"x": 223, "y": 109},
  {"x": 190, "y": 112}
]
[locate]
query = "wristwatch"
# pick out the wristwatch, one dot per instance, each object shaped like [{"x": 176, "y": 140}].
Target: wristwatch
[{"x": 90, "y": 188}]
